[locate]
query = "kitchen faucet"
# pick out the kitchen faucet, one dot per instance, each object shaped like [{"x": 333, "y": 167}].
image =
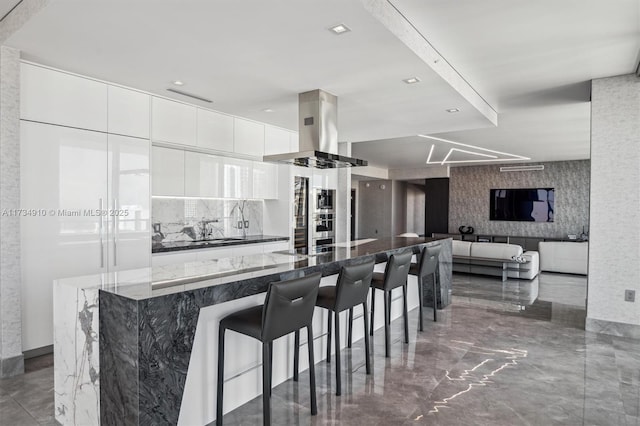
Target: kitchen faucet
[{"x": 205, "y": 230}]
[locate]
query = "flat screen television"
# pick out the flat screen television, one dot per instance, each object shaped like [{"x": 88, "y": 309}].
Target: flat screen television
[{"x": 523, "y": 204}]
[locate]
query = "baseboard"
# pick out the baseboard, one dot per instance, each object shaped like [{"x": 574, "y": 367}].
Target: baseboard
[
  {"x": 45, "y": 350},
  {"x": 612, "y": 328},
  {"x": 10, "y": 367}
]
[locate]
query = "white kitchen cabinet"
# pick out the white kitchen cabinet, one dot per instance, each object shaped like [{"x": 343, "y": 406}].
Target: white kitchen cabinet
[
  {"x": 247, "y": 249},
  {"x": 214, "y": 253},
  {"x": 173, "y": 122},
  {"x": 128, "y": 112},
  {"x": 276, "y": 246},
  {"x": 276, "y": 140},
  {"x": 203, "y": 175},
  {"x": 129, "y": 197},
  {"x": 215, "y": 130},
  {"x": 67, "y": 175},
  {"x": 265, "y": 180},
  {"x": 167, "y": 171},
  {"x": 248, "y": 137},
  {"x": 294, "y": 142},
  {"x": 237, "y": 178},
  {"x": 55, "y": 97},
  {"x": 173, "y": 258}
]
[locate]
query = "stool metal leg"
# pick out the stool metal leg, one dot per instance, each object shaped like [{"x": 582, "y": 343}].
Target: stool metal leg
[
  {"x": 373, "y": 307},
  {"x": 270, "y": 367},
  {"x": 350, "y": 332},
  {"x": 296, "y": 355},
  {"x": 312, "y": 372},
  {"x": 266, "y": 385},
  {"x": 405, "y": 313},
  {"x": 329, "y": 313},
  {"x": 421, "y": 302},
  {"x": 366, "y": 338},
  {"x": 220, "y": 376},
  {"x": 435, "y": 298},
  {"x": 387, "y": 323},
  {"x": 338, "y": 370}
]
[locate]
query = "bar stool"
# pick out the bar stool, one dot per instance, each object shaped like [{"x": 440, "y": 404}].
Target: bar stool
[
  {"x": 351, "y": 290},
  {"x": 288, "y": 307},
  {"x": 395, "y": 275},
  {"x": 427, "y": 265}
]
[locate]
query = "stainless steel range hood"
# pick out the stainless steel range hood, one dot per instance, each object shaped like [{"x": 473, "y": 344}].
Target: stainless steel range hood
[{"x": 318, "y": 133}]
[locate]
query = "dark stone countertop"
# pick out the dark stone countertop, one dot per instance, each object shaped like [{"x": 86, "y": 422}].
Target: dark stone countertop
[
  {"x": 169, "y": 246},
  {"x": 147, "y": 334}
]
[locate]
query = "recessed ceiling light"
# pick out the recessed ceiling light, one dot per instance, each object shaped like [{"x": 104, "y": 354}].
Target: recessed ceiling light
[
  {"x": 267, "y": 110},
  {"x": 453, "y": 110},
  {"x": 411, "y": 80},
  {"x": 340, "y": 29},
  {"x": 178, "y": 83}
]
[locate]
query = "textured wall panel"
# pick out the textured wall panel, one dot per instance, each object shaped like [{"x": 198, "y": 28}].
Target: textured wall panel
[
  {"x": 614, "y": 248},
  {"x": 469, "y": 198}
]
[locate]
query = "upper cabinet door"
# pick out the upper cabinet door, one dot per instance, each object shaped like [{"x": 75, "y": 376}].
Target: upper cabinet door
[
  {"x": 265, "y": 180},
  {"x": 248, "y": 137},
  {"x": 128, "y": 112},
  {"x": 167, "y": 171},
  {"x": 203, "y": 175},
  {"x": 215, "y": 130},
  {"x": 56, "y": 97},
  {"x": 276, "y": 140},
  {"x": 294, "y": 142},
  {"x": 129, "y": 197},
  {"x": 173, "y": 122},
  {"x": 237, "y": 178}
]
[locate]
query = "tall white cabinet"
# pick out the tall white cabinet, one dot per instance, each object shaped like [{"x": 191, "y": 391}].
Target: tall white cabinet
[{"x": 85, "y": 190}]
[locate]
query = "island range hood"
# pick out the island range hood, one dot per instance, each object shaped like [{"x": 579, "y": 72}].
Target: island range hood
[{"x": 318, "y": 134}]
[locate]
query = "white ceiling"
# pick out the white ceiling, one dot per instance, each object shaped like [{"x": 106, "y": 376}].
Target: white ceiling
[
  {"x": 6, "y": 6},
  {"x": 252, "y": 55},
  {"x": 531, "y": 61}
]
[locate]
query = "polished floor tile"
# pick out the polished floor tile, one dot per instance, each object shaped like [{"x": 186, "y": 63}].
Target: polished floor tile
[{"x": 512, "y": 353}]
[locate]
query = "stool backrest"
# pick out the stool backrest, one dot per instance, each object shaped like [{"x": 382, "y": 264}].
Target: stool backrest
[
  {"x": 289, "y": 306},
  {"x": 429, "y": 260},
  {"x": 397, "y": 270},
  {"x": 353, "y": 285}
]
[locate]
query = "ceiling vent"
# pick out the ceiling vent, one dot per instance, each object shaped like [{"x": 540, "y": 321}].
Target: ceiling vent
[{"x": 532, "y": 168}]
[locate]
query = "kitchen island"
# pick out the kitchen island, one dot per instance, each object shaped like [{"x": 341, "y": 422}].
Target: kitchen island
[{"x": 138, "y": 347}]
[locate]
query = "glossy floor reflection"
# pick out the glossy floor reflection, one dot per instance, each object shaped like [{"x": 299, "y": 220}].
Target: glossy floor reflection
[
  {"x": 503, "y": 354},
  {"x": 511, "y": 353}
]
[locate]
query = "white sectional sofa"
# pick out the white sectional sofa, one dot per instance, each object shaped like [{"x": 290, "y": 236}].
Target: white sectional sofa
[
  {"x": 498, "y": 251},
  {"x": 566, "y": 257}
]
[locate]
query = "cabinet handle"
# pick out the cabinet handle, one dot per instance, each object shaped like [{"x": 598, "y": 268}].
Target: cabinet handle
[
  {"x": 115, "y": 232},
  {"x": 101, "y": 206}
]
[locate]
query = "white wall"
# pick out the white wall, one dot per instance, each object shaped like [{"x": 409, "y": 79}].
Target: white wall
[{"x": 614, "y": 250}]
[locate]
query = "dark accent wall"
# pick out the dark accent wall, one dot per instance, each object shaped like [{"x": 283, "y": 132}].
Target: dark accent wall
[
  {"x": 436, "y": 206},
  {"x": 469, "y": 198}
]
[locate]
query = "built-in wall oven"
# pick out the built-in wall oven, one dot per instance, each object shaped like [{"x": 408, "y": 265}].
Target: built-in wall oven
[
  {"x": 323, "y": 245},
  {"x": 324, "y": 200}
]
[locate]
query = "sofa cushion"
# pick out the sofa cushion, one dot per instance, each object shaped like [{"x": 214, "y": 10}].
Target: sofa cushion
[
  {"x": 495, "y": 250},
  {"x": 461, "y": 248},
  {"x": 566, "y": 257}
]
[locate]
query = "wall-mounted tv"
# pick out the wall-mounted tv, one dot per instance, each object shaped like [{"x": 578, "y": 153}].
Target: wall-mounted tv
[{"x": 523, "y": 204}]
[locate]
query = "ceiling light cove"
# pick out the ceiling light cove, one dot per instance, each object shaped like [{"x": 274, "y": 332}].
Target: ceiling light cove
[
  {"x": 440, "y": 153},
  {"x": 411, "y": 80},
  {"x": 339, "y": 29}
]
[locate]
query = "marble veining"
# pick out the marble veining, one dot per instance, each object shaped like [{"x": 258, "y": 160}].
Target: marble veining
[
  {"x": 160, "y": 326},
  {"x": 177, "y": 219},
  {"x": 77, "y": 380}
]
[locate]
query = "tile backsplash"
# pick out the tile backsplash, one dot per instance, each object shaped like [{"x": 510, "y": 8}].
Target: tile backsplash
[{"x": 176, "y": 219}]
